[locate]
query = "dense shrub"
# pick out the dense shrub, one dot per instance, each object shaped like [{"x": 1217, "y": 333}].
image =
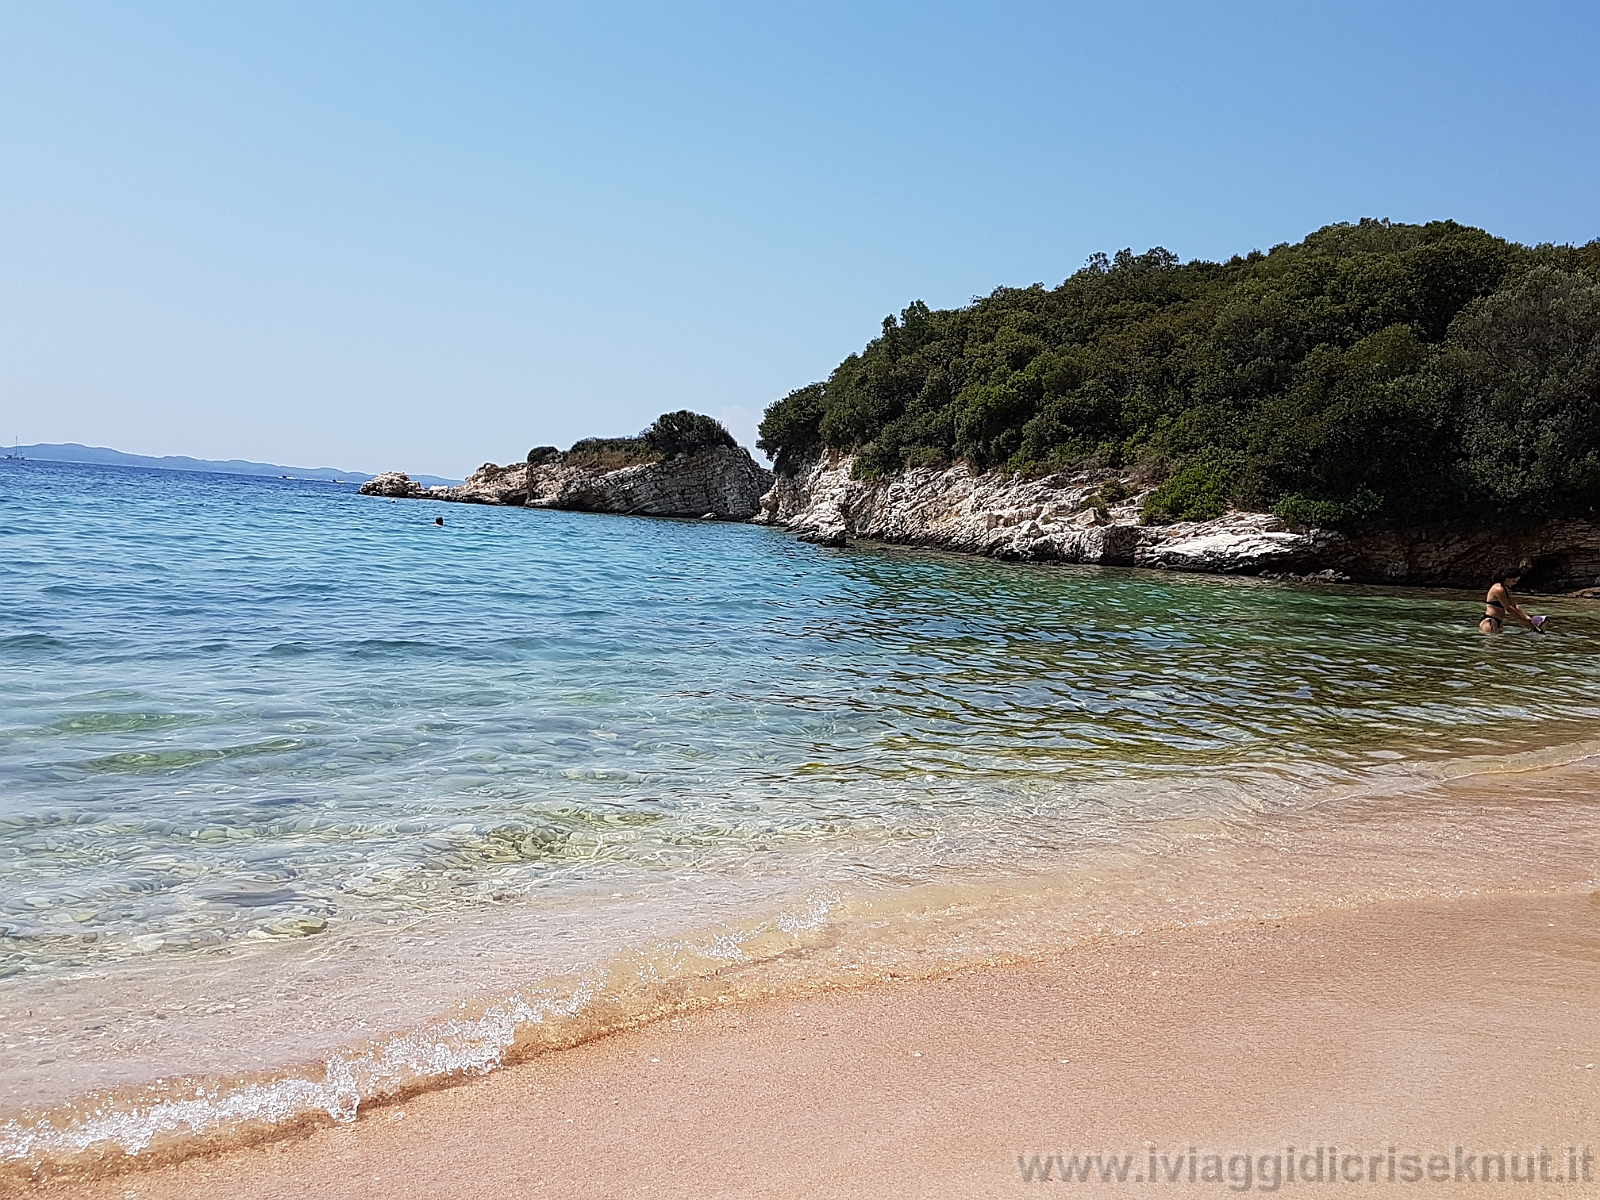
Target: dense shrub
[
  {"x": 1305, "y": 512},
  {"x": 1374, "y": 373},
  {"x": 671, "y": 435},
  {"x": 682, "y": 433},
  {"x": 1112, "y": 491},
  {"x": 1197, "y": 491}
]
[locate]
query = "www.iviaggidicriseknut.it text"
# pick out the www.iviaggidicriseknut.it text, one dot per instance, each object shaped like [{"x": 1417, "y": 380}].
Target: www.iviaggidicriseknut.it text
[{"x": 1268, "y": 1171}]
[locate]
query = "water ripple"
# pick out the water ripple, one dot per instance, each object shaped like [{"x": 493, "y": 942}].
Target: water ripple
[{"x": 234, "y": 703}]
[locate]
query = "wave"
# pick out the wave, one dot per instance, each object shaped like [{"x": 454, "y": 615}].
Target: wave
[
  {"x": 180, "y": 1118},
  {"x": 1412, "y": 833},
  {"x": 31, "y": 641}
]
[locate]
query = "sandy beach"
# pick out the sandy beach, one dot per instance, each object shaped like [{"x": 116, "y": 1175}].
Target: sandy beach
[
  {"x": 732, "y": 602},
  {"x": 1419, "y": 1026}
]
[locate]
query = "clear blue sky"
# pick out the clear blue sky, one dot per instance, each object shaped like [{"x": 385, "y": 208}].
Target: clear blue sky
[{"x": 424, "y": 235}]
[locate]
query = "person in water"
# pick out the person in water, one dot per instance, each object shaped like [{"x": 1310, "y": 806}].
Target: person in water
[
  {"x": 439, "y": 521},
  {"x": 1498, "y": 606}
]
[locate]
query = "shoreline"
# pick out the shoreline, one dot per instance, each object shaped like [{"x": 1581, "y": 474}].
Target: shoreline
[
  {"x": 1421, "y": 1023},
  {"x": 1051, "y": 519},
  {"x": 1070, "y": 518},
  {"x": 1426, "y": 848}
]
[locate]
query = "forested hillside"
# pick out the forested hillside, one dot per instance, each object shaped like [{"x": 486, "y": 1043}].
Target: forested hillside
[{"x": 1373, "y": 374}]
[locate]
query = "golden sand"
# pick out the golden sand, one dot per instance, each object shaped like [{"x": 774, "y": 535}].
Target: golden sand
[{"x": 1422, "y": 1025}]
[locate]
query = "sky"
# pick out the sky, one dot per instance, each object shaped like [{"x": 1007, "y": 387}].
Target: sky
[{"x": 424, "y": 236}]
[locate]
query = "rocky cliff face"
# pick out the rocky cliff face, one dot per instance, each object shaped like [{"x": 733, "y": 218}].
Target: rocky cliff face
[
  {"x": 1054, "y": 519},
  {"x": 722, "y": 483}
]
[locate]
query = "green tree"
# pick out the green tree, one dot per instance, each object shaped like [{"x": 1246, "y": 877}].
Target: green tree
[
  {"x": 1525, "y": 362},
  {"x": 684, "y": 433},
  {"x": 1369, "y": 374},
  {"x": 793, "y": 425}
]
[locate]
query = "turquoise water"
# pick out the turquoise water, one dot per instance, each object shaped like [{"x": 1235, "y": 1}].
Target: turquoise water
[
  {"x": 307, "y": 802},
  {"x": 241, "y": 708}
]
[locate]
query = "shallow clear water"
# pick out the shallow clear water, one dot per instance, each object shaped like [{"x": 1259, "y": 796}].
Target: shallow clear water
[
  {"x": 229, "y": 702},
  {"x": 242, "y": 710}
]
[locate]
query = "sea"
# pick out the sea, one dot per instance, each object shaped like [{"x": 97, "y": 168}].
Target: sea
[{"x": 308, "y": 803}]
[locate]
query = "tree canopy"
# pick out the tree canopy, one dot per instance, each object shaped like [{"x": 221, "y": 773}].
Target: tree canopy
[
  {"x": 1373, "y": 374},
  {"x": 683, "y": 433},
  {"x": 678, "y": 434}
]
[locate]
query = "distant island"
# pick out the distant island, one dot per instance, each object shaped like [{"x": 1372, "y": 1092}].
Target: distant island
[{"x": 72, "y": 452}]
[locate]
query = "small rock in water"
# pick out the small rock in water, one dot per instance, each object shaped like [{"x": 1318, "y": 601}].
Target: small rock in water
[
  {"x": 834, "y": 536},
  {"x": 287, "y": 927}
]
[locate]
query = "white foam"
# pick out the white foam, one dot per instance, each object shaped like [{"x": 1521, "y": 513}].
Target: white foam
[{"x": 451, "y": 1046}]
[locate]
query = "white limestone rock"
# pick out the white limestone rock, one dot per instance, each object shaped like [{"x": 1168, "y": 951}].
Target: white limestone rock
[
  {"x": 1235, "y": 542},
  {"x": 396, "y": 485},
  {"x": 1007, "y": 516},
  {"x": 724, "y": 482}
]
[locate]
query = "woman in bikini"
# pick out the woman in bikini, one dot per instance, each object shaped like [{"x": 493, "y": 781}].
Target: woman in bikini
[{"x": 1498, "y": 606}]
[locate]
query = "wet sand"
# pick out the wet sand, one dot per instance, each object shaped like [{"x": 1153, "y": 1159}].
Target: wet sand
[{"x": 1421, "y": 1025}]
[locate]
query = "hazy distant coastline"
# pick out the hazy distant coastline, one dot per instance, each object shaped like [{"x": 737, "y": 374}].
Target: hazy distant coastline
[{"x": 74, "y": 453}]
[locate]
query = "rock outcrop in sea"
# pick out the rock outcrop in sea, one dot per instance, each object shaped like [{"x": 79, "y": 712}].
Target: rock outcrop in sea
[
  {"x": 397, "y": 485},
  {"x": 1068, "y": 518},
  {"x": 720, "y": 482}
]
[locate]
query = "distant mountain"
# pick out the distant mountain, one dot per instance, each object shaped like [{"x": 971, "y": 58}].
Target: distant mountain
[{"x": 74, "y": 453}]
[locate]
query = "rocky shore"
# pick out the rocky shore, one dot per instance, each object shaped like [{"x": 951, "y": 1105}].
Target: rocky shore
[
  {"x": 1094, "y": 518},
  {"x": 721, "y": 483},
  {"x": 1082, "y": 517}
]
